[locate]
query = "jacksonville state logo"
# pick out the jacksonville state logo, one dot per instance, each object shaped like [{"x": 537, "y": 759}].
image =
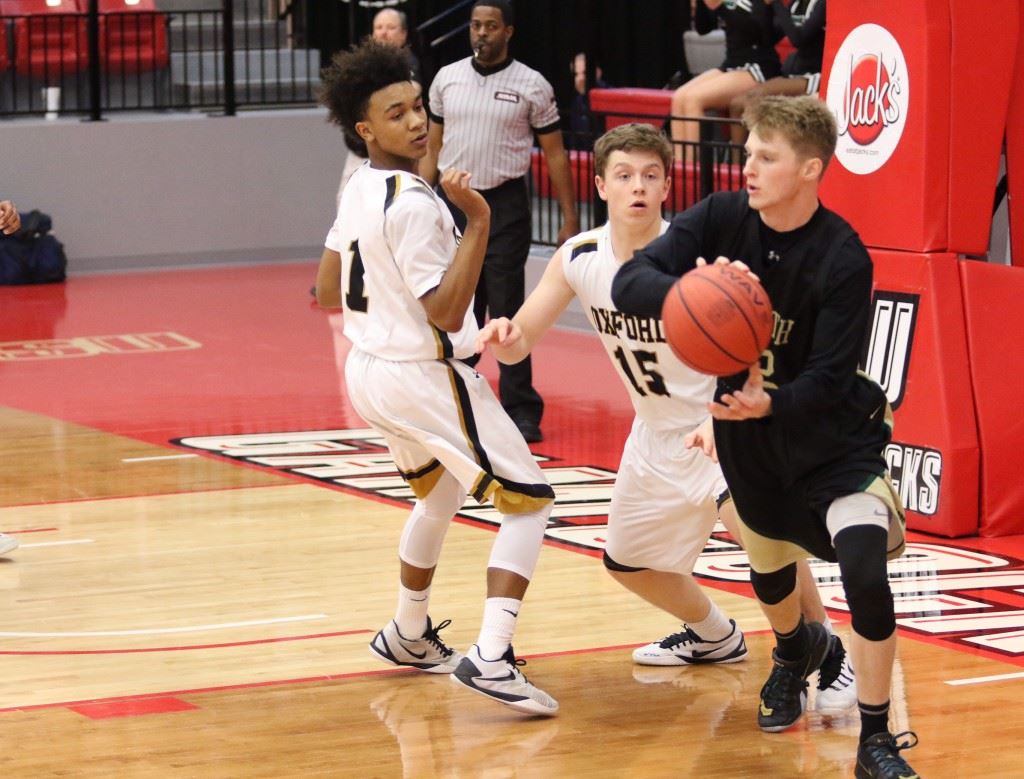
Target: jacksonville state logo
[
  {"x": 869, "y": 92},
  {"x": 886, "y": 356}
]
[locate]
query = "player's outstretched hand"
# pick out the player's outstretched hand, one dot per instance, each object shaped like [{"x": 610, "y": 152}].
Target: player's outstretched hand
[
  {"x": 738, "y": 264},
  {"x": 501, "y": 332},
  {"x": 465, "y": 198},
  {"x": 703, "y": 437},
  {"x": 751, "y": 402}
]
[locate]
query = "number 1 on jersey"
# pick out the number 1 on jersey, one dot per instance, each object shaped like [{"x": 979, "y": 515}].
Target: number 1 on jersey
[{"x": 355, "y": 300}]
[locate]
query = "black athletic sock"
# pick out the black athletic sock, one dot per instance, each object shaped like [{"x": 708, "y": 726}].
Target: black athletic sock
[
  {"x": 873, "y": 719},
  {"x": 794, "y": 645}
]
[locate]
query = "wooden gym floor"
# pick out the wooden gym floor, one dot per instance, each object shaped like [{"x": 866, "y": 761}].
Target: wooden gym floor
[{"x": 208, "y": 542}]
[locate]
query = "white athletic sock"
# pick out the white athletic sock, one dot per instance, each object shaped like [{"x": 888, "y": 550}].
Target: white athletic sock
[
  {"x": 828, "y": 625},
  {"x": 714, "y": 627},
  {"x": 411, "y": 616},
  {"x": 499, "y": 625}
]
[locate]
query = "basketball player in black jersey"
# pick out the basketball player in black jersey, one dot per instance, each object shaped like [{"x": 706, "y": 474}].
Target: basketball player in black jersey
[{"x": 799, "y": 436}]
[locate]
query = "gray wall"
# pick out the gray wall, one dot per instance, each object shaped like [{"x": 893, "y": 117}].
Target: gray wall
[{"x": 176, "y": 189}]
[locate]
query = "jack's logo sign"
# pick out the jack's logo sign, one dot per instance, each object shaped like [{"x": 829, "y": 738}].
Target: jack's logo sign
[
  {"x": 887, "y": 352},
  {"x": 869, "y": 92}
]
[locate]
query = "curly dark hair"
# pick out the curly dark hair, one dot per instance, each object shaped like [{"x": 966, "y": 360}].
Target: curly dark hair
[{"x": 354, "y": 75}]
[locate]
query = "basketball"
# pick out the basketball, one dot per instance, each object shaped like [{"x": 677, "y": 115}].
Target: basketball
[{"x": 717, "y": 320}]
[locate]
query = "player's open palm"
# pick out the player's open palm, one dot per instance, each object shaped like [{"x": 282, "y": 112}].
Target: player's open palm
[
  {"x": 500, "y": 332},
  {"x": 470, "y": 202}
]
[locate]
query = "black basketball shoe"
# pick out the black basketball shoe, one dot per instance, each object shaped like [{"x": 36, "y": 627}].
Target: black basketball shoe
[
  {"x": 879, "y": 757},
  {"x": 784, "y": 695}
]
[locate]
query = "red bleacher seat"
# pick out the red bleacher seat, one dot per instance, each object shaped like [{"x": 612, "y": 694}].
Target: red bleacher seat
[
  {"x": 635, "y": 104},
  {"x": 49, "y": 39},
  {"x": 133, "y": 36}
]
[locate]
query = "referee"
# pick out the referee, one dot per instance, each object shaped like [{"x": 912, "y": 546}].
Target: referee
[{"x": 485, "y": 110}]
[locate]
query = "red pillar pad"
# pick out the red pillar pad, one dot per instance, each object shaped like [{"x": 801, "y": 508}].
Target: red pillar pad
[
  {"x": 993, "y": 295},
  {"x": 886, "y": 74},
  {"x": 1015, "y": 153},
  {"x": 984, "y": 48},
  {"x": 918, "y": 353}
]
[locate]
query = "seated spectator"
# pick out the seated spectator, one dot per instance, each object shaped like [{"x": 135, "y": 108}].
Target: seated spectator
[
  {"x": 750, "y": 59},
  {"x": 803, "y": 23},
  {"x": 391, "y": 26},
  {"x": 580, "y": 134}
]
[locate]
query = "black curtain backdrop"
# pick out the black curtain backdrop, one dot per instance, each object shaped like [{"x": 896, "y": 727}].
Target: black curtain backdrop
[{"x": 635, "y": 42}]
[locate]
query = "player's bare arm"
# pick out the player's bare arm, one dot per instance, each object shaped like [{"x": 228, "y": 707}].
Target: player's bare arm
[
  {"x": 558, "y": 167},
  {"x": 512, "y": 340},
  {"x": 446, "y": 304},
  {"x": 328, "y": 280}
]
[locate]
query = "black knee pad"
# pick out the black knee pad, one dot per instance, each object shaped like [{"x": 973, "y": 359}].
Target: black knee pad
[
  {"x": 772, "y": 588},
  {"x": 861, "y": 552},
  {"x": 611, "y": 565}
]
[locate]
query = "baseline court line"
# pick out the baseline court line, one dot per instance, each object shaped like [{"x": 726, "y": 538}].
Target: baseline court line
[
  {"x": 164, "y": 631},
  {"x": 159, "y": 457},
  {"x": 985, "y": 679}
]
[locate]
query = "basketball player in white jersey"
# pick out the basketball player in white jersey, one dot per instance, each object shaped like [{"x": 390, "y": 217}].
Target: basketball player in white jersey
[
  {"x": 663, "y": 506},
  {"x": 405, "y": 280}
]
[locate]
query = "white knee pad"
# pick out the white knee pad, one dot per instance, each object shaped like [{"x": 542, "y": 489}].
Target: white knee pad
[
  {"x": 428, "y": 523},
  {"x": 858, "y": 508},
  {"x": 519, "y": 540}
]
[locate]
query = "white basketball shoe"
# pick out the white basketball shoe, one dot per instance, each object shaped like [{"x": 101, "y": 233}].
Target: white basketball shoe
[
  {"x": 502, "y": 681},
  {"x": 687, "y": 648},
  {"x": 426, "y": 653}
]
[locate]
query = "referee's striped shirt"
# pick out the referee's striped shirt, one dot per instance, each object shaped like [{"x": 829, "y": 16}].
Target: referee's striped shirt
[{"x": 489, "y": 117}]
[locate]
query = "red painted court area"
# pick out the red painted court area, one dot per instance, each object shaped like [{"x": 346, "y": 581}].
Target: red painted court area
[{"x": 238, "y": 350}]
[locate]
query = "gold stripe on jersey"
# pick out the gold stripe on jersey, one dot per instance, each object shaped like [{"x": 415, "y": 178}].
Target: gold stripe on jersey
[
  {"x": 583, "y": 248},
  {"x": 508, "y": 497},
  {"x": 423, "y": 480},
  {"x": 443, "y": 342}
]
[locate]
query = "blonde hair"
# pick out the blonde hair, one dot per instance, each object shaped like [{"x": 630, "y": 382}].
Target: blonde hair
[
  {"x": 806, "y": 122},
  {"x": 632, "y": 137}
]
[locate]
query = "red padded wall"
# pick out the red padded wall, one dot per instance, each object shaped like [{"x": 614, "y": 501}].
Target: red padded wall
[
  {"x": 1015, "y": 152},
  {"x": 992, "y": 300},
  {"x": 936, "y": 464}
]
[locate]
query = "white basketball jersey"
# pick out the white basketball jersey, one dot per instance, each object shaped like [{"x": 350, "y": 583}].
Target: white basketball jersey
[
  {"x": 396, "y": 239},
  {"x": 665, "y": 393}
]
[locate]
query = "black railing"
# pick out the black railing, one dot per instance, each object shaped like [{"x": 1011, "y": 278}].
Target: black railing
[
  {"x": 112, "y": 56},
  {"x": 712, "y": 164}
]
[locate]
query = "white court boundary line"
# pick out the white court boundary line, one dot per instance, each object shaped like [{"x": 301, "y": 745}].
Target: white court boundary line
[
  {"x": 985, "y": 679},
  {"x": 157, "y": 457},
  {"x": 165, "y": 631}
]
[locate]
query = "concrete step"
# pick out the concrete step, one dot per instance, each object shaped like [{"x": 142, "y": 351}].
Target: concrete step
[
  {"x": 200, "y": 93},
  {"x": 193, "y": 32},
  {"x": 253, "y": 8},
  {"x": 252, "y": 65}
]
